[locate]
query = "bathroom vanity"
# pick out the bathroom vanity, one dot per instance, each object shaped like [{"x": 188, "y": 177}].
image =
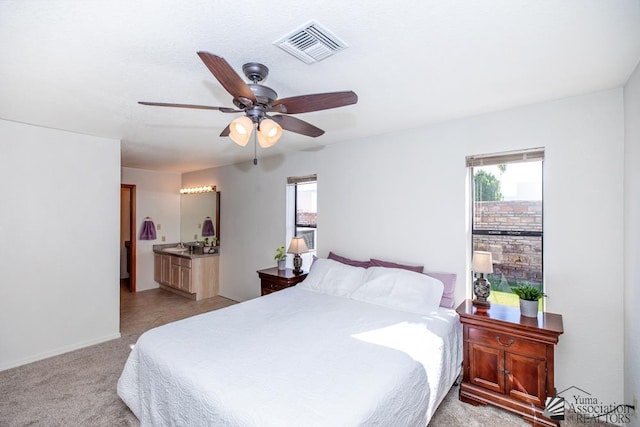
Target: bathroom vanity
[{"x": 192, "y": 275}]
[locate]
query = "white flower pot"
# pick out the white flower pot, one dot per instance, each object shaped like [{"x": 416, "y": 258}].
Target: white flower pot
[
  {"x": 528, "y": 308},
  {"x": 282, "y": 265}
]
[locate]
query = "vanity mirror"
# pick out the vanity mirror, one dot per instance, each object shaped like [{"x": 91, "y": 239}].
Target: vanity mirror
[{"x": 195, "y": 210}]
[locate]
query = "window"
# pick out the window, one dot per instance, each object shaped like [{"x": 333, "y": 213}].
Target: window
[
  {"x": 302, "y": 212},
  {"x": 506, "y": 219}
]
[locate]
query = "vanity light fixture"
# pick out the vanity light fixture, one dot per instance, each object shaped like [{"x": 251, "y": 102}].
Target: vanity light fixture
[{"x": 197, "y": 190}]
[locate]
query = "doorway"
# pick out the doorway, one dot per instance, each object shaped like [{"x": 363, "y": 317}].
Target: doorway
[{"x": 128, "y": 236}]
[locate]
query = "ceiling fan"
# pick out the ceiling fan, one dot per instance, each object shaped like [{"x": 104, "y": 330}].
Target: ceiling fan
[{"x": 258, "y": 101}]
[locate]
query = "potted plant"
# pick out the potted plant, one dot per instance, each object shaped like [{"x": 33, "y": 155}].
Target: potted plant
[
  {"x": 529, "y": 299},
  {"x": 281, "y": 257}
]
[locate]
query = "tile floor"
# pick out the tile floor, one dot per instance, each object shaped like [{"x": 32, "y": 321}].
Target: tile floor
[{"x": 141, "y": 311}]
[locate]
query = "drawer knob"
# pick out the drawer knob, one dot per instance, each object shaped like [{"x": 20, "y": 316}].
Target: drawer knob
[{"x": 503, "y": 344}]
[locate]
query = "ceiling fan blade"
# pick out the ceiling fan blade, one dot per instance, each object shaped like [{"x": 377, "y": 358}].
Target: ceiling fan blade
[
  {"x": 226, "y": 131},
  {"x": 315, "y": 102},
  {"x": 228, "y": 78},
  {"x": 199, "y": 107},
  {"x": 293, "y": 124}
]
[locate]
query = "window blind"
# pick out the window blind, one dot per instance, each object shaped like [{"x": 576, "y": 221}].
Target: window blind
[
  {"x": 507, "y": 157},
  {"x": 301, "y": 179}
]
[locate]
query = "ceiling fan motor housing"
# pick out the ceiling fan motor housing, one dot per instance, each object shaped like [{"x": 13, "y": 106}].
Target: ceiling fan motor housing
[
  {"x": 255, "y": 71},
  {"x": 264, "y": 94},
  {"x": 256, "y": 113}
]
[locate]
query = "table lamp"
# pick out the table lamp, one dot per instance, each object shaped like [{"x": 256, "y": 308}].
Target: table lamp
[
  {"x": 481, "y": 264},
  {"x": 297, "y": 247}
]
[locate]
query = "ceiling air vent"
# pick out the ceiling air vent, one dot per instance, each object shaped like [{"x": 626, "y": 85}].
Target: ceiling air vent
[{"x": 311, "y": 43}]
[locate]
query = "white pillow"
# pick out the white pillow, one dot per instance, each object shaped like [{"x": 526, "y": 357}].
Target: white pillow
[
  {"x": 401, "y": 290},
  {"x": 333, "y": 278}
]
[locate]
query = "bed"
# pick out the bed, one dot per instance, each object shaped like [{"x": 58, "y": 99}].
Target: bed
[{"x": 349, "y": 346}]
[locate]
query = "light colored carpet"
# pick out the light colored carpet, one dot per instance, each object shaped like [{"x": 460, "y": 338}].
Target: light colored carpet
[
  {"x": 79, "y": 388},
  {"x": 74, "y": 389}
]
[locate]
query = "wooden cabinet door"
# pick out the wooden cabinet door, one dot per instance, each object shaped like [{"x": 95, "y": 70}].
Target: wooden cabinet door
[
  {"x": 486, "y": 367},
  {"x": 526, "y": 378},
  {"x": 175, "y": 275},
  {"x": 185, "y": 280},
  {"x": 165, "y": 273},
  {"x": 157, "y": 267}
]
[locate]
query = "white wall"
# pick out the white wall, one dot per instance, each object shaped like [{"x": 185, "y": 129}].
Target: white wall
[
  {"x": 60, "y": 235},
  {"x": 158, "y": 197},
  {"x": 402, "y": 197},
  {"x": 632, "y": 239}
]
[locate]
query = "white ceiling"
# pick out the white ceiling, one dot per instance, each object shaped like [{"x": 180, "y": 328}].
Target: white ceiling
[{"x": 82, "y": 66}]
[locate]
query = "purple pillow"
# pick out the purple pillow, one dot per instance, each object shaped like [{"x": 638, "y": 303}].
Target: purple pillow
[
  {"x": 344, "y": 260},
  {"x": 449, "y": 282},
  {"x": 379, "y": 263}
]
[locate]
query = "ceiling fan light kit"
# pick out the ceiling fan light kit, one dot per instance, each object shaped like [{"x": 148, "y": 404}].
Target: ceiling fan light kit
[
  {"x": 269, "y": 133},
  {"x": 240, "y": 130},
  {"x": 256, "y": 101}
]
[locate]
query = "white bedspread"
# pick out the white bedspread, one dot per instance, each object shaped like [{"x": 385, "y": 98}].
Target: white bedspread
[{"x": 294, "y": 358}]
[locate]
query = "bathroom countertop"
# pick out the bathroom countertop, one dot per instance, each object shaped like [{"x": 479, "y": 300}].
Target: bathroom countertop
[{"x": 159, "y": 249}]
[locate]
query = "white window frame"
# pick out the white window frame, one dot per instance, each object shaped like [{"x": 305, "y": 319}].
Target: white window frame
[
  {"x": 291, "y": 226},
  {"x": 534, "y": 154}
]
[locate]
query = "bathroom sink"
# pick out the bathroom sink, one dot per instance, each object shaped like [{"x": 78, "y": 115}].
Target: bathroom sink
[{"x": 176, "y": 249}]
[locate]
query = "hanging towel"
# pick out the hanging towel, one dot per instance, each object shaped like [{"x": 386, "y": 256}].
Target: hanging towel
[
  {"x": 148, "y": 230},
  {"x": 207, "y": 228}
]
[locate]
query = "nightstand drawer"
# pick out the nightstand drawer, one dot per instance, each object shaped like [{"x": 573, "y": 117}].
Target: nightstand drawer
[
  {"x": 505, "y": 341},
  {"x": 273, "y": 280},
  {"x": 270, "y": 286}
]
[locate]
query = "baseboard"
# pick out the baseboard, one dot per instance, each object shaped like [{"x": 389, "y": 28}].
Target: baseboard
[{"x": 57, "y": 352}]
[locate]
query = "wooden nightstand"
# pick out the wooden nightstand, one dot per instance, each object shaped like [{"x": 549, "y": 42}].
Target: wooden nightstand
[
  {"x": 272, "y": 279},
  {"x": 508, "y": 359}
]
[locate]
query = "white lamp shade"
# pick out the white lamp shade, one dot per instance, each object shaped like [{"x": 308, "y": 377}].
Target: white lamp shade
[
  {"x": 240, "y": 130},
  {"x": 482, "y": 262},
  {"x": 297, "y": 246},
  {"x": 263, "y": 142},
  {"x": 269, "y": 133}
]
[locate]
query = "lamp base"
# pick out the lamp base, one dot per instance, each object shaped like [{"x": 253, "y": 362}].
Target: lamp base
[
  {"x": 481, "y": 306},
  {"x": 482, "y": 290},
  {"x": 297, "y": 264}
]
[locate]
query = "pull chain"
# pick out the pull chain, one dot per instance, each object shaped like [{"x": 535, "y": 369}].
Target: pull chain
[{"x": 255, "y": 144}]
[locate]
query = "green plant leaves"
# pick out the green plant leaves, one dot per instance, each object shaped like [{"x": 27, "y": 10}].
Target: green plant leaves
[{"x": 528, "y": 293}]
